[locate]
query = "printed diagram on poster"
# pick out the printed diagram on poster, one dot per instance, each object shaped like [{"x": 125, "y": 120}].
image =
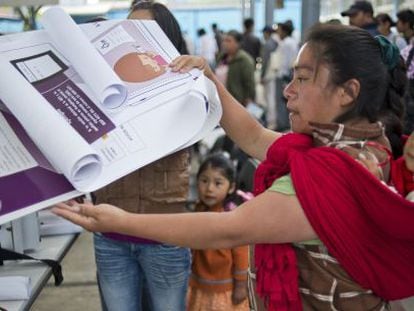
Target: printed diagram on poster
[{"x": 82, "y": 106}]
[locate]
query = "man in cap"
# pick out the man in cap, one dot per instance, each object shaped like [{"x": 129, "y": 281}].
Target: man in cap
[{"x": 361, "y": 14}]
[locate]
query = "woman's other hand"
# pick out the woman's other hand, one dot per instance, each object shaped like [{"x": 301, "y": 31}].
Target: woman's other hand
[
  {"x": 185, "y": 63},
  {"x": 409, "y": 153},
  {"x": 100, "y": 218}
]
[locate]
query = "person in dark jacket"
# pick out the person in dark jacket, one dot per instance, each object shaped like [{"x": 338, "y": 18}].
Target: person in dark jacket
[{"x": 250, "y": 43}]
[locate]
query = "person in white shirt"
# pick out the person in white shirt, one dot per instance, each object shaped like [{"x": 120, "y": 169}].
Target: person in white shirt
[
  {"x": 268, "y": 75},
  {"x": 207, "y": 47},
  {"x": 287, "y": 49}
]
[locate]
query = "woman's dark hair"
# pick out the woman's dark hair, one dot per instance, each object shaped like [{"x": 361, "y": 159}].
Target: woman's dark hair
[
  {"x": 236, "y": 35},
  {"x": 165, "y": 20},
  {"x": 219, "y": 161},
  {"x": 384, "y": 18},
  {"x": 352, "y": 53}
]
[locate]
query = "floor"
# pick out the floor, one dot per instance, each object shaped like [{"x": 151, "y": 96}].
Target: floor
[{"x": 79, "y": 291}]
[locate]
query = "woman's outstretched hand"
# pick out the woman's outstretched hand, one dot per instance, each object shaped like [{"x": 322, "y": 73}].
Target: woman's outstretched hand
[
  {"x": 185, "y": 63},
  {"x": 100, "y": 218},
  {"x": 409, "y": 153}
]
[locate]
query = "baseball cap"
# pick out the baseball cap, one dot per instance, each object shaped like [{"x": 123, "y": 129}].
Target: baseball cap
[{"x": 358, "y": 6}]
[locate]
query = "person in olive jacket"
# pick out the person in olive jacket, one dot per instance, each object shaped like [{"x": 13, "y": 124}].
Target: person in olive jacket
[{"x": 235, "y": 68}]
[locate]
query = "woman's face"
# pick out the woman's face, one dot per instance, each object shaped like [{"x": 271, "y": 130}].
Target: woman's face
[{"x": 310, "y": 96}]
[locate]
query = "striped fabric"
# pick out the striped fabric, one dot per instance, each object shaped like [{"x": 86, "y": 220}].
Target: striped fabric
[
  {"x": 324, "y": 285},
  {"x": 363, "y": 140}
]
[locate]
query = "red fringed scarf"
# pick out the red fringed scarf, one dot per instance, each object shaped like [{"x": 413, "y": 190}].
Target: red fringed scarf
[{"x": 365, "y": 226}]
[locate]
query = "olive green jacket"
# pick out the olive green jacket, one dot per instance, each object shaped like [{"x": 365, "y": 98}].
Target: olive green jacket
[{"x": 240, "y": 77}]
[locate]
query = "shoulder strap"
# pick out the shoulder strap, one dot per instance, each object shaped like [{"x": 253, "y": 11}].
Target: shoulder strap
[{"x": 6, "y": 254}]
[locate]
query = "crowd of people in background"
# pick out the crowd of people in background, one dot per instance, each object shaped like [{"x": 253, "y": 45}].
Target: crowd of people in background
[{"x": 273, "y": 55}]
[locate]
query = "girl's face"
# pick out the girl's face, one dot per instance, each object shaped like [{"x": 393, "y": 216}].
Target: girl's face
[
  {"x": 213, "y": 187},
  {"x": 310, "y": 96}
]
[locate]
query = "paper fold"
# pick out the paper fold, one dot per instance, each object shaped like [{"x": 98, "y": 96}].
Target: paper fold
[
  {"x": 106, "y": 86},
  {"x": 73, "y": 157}
]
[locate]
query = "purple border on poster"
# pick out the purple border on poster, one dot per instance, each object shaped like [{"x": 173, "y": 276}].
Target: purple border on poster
[
  {"x": 30, "y": 187},
  {"x": 69, "y": 100},
  {"x": 33, "y": 185}
]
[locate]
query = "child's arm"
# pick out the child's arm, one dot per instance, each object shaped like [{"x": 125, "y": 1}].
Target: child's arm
[{"x": 240, "y": 269}]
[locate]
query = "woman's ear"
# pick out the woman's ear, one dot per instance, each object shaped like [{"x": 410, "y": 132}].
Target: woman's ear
[{"x": 350, "y": 91}]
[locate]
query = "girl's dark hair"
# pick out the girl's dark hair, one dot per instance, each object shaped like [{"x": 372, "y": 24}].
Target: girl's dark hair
[
  {"x": 384, "y": 18},
  {"x": 165, "y": 20},
  {"x": 219, "y": 161},
  {"x": 352, "y": 53}
]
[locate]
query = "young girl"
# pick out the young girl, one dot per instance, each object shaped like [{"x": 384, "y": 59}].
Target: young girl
[{"x": 219, "y": 276}]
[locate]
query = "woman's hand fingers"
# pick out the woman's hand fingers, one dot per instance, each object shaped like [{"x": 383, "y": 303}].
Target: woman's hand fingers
[
  {"x": 101, "y": 218},
  {"x": 85, "y": 215},
  {"x": 185, "y": 63},
  {"x": 74, "y": 214}
]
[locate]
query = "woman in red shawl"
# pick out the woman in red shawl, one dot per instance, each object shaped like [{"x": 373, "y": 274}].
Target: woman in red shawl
[{"x": 330, "y": 233}]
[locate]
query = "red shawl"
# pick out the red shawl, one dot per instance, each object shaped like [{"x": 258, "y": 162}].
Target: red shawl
[{"x": 365, "y": 226}]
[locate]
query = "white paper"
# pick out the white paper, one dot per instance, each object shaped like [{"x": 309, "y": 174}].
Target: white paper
[
  {"x": 108, "y": 88},
  {"x": 63, "y": 146},
  {"x": 78, "y": 136},
  {"x": 14, "y": 288}
]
